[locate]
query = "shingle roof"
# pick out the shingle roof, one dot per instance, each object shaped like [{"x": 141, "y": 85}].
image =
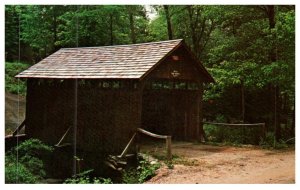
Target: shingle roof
[{"x": 106, "y": 62}]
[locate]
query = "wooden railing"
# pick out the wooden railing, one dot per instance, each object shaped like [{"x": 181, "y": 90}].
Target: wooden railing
[{"x": 168, "y": 142}]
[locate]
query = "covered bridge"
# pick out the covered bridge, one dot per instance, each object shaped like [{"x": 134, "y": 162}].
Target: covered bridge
[{"x": 108, "y": 92}]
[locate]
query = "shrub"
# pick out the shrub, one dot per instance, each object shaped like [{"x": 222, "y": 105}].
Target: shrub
[
  {"x": 270, "y": 142},
  {"x": 84, "y": 178},
  {"x": 142, "y": 173},
  {"x": 232, "y": 135},
  {"x": 17, "y": 173},
  {"x": 23, "y": 164},
  {"x": 11, "y": 83}
]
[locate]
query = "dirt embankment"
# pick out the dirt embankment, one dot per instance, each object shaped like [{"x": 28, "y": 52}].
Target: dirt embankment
[
  {"x": 228, "y": 165},
  {"x": 14, "y": 111}
]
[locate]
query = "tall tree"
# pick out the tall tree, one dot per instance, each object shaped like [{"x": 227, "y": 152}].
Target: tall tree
[
  {"x": 168, "y": 19},
  {"x": 11, "y": 32}
]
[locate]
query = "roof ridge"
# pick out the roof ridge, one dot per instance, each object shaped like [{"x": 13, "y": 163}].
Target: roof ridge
[{"x": 145, "y": 43}]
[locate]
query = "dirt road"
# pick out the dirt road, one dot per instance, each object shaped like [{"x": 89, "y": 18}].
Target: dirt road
[{"x": 206, "y": 164}]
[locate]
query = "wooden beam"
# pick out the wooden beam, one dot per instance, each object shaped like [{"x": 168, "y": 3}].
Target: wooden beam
[
  {"x": 127, "y": 146},
  {"x": 62, "y": 138},
  {"x": 18, "y": 129},
  {"x": 168, "y": 141}
]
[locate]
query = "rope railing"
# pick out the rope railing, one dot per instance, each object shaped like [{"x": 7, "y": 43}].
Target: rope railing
[
  {"x": 243, "y": 125},
  {"x": 236, "y": 124}
]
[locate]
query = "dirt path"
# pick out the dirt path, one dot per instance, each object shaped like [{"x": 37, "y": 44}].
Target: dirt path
[{"x": 206, "y": 164}]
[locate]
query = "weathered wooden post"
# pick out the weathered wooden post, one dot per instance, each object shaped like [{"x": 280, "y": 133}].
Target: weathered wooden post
[{"x": 169, "y": 148}]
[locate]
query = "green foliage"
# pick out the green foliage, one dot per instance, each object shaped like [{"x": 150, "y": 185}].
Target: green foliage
[
  {"x": 236, "y": 43},
  {"x": 84, "y": 178},
  {"x": 37, "y": 26},
  {"x": 183, "y": 161},
  {"x": 32, "y": 147},
  {"x": 23, "y": 164},
  {"x": 269, "y": 142},
  {"x": 169, "y": 164},
  {"x": 233, "y": 135},
  {"x": 11, "y": 32},
  {"x": 142, "y": 173},
  {"x": 13, "y": 84},
  {"x": 17, "y": 172},
  {"x": 101, "y": 25},
  {"x": 46, "y": 28}
]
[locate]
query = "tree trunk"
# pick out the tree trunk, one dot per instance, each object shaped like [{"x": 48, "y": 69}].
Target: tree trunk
[
  {"x": 277, "y": 113},
  {"x": 293, "y": 124},
  {"x": 270, "y": 12},
  {"x": 273, "y": 58},
  {"x": 243, "y": 101},
  {"x": 271, "y": 15},
  {"x": 272, "y": 22},
  {"x": 169, "y": 25},
  {"x": 192, "y": 28},
  {"x": 131, "y": 20},
  {"x": 54, "y": 30}
]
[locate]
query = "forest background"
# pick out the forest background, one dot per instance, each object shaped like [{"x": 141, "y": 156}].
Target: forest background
[{"x": 249, "y": 50}]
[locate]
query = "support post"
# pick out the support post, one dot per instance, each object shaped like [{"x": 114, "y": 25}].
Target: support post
[
  {"x": 75, "y": 128},
  {"x": 169, "y": 148},
  {"x": 18, "y": 129},
  {"x": 127, "y": 146}
]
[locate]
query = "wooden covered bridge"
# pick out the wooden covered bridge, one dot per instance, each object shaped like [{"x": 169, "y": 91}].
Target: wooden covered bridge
[{"x": 103, "y": 94}]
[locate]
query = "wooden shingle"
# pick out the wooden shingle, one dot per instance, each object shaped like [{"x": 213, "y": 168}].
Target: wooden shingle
[{"x": 118, "y": 62}]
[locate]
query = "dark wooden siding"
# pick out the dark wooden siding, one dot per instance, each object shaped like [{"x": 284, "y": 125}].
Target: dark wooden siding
[
  {"x": 173, "y": 105},
  {"x": 107, "y": 118},
  {"x": 171, "y": 112},
  {"x": 186, "y": 67}
]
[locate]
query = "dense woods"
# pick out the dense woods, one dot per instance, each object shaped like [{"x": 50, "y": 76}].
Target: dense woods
[{"x": 249, "y": 50}]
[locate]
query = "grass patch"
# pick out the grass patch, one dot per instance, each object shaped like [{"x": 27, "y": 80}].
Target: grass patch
[
  {"x": 142, "y": 173},
  {"x": 185, "y": 161},
  {"x": 12, "y": 84},
  {"x": 175, "y": 160}
]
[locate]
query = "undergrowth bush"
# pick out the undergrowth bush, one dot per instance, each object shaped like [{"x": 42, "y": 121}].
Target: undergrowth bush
[
  {"x": 142, "y": 173},
  {"x": 11, "y": 83},
  {"x": 23, "y": 164},
  {"x": 84, "y": 178},
  {"x": 232, "y": 135},
  {"x": 270, "y": 142}
]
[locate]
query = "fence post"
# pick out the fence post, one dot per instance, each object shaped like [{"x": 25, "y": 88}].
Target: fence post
[{"x": 169, "y": 149}]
